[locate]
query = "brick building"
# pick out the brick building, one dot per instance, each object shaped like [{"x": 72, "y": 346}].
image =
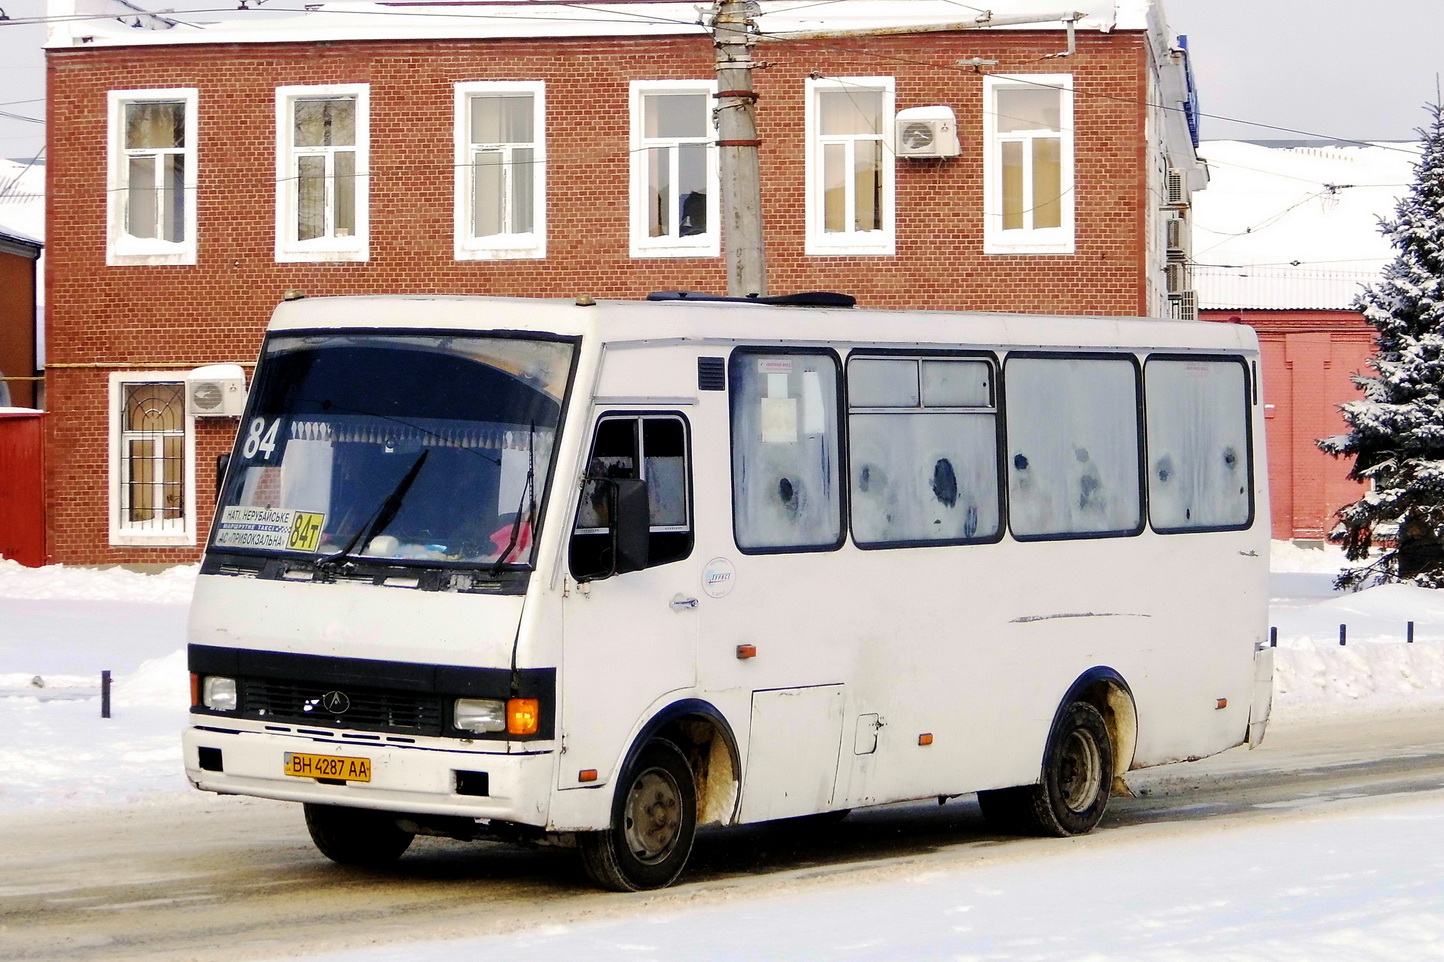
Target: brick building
[
  {"x": 1285, "y": 238},
  {"x": 199, "y": 173}
]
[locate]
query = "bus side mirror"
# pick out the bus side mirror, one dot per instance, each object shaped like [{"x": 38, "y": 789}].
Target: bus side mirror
[
  {"x": 223, "y": 461},
  {"x": 631, "y": 524}
]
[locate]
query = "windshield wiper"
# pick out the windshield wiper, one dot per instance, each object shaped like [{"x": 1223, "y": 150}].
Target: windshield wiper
[
  {"x": 384, "y": 515},
  {"x": 527, "y": 487}
]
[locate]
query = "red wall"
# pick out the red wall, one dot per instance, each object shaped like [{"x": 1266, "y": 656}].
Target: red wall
[
  {"x": 22, "y": 498},
  {"x": 106, "y": 318},
  {"x": 1308, "y": 360}
]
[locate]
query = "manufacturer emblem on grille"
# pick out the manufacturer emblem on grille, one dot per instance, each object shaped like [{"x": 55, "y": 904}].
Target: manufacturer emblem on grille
[{"x": 335, "y": 702}]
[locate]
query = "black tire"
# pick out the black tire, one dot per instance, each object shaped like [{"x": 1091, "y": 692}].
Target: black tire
[
  {"x": 356, "y": 836},
  {"x": 1072, "y": 792},
  {"x": 654, "y": 822}
]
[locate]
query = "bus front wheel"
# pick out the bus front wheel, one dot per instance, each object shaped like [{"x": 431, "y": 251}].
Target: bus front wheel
[
  {"x": 654, "y": 821},
  {"x": 1072, "y": 792},
  {"x": 356, "y": 836}
]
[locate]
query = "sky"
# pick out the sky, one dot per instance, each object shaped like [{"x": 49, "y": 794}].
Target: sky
[{"x": 1322, "y": 69}]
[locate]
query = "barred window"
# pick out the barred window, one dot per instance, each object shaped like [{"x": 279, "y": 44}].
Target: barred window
[
  {"x": 153, "y": 463},
  {"x": 151, "y": 491}
]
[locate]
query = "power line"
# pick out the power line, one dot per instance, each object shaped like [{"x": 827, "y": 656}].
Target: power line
[{"x": 653, "y": 18}]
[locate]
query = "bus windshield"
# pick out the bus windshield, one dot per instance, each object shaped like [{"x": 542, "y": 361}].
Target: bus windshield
[{"x": 395, "y": 448}]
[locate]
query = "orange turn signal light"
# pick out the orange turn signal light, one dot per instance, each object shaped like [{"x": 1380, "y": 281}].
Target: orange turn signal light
[
  {"x": 926, "y": 738},
  {"x": 523, "y": 716},
  {"x": 1221, "y": 703},
  {"x": 587, "y": 775},
  {"x": 195, "y": 689}
]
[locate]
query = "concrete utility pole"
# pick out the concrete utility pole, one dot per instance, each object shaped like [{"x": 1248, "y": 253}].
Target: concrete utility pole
[{"x": 732, "y": 34}]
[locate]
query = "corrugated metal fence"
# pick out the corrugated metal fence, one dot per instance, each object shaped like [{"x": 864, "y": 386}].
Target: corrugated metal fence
[{"x": 22, "y": 486}]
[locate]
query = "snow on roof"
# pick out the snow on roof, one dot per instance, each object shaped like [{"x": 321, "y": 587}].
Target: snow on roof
[
  {"x": 1294, "y": 227},
  {"x": 22, "y": 200},
  {"x": 115, "y": 22}
]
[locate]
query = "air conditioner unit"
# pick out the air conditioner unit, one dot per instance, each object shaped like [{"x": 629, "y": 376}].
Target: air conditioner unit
[
  {"x": 217, "y": 390},
  {"x": 1175, "y": 277},
  {"x": 1175, "y": 188},
  {"x": 924, "y": 132},
  {"x": 1184, "y": 305},
  {"x": 1177, "y": 239}
]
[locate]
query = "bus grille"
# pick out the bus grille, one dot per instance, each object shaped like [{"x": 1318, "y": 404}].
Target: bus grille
[{"x": 367, "y": 709}]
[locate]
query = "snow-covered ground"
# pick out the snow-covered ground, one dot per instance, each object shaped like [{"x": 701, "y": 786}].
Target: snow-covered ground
[{"x": 1339, "y": 883}]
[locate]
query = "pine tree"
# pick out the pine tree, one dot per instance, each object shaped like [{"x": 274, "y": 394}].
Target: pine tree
[{"x": 1396, "y": 435}]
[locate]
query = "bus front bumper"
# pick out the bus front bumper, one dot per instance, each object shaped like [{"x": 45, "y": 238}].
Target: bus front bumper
[{"x": 450, "y": 777}]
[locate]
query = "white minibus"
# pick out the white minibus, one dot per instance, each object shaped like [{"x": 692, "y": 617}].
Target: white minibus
[{"x": 596, "y": 574}]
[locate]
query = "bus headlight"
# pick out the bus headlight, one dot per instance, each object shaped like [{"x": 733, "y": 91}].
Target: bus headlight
[
  {"x": 480, "y": 715},
  {"x": 219, "y": 693}
]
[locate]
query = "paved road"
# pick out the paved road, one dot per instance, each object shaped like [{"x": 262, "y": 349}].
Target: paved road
[{"x": 210, "y": 878}]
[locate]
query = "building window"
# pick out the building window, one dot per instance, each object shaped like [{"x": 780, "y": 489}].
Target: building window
[
  {"x": 675, "y": 181},
  {"x": 500, "y": 170},
  {"x": 322, "y": 138},
  {"x": 151, "y": 180},
  {"x": 1028, "y": 164},
  {"x": 849, "y": 166},
  {"x": 152, "y": 477}
]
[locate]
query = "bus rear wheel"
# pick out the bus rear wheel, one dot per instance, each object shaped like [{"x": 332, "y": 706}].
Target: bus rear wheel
[
  {"x": 356, "y": 836},
  {"x": 1072, "y": 793},
  {"x": 654, "y": 822}
]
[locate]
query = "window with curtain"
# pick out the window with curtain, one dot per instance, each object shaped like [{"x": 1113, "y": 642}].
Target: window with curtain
[
  {"x": 1029, "y": 165},
  {"x": 151, "y": 487},
  {"x": 850, "y": 165},
  {"x": 500, "y": 165}
]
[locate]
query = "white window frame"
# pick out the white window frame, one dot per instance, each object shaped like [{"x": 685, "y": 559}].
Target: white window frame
[
  {"x": 290, "y": 249},
  {"x": 1047, "y": 240},
  {"x": 122, "y": 531},
  {"x": 706, "y": 244},
  {"x": 528, "y": 244},
  {"x": 121, "y": 248},
  {"x": 819, "y": 241}
]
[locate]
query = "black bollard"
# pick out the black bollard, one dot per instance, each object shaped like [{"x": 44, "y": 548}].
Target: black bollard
[
  {"x": 1409, "y": 637},
  {"x": 1343, "y": 633},
  {"x": 105, "y": 694},
  {"x": 1273, "y": 637}
]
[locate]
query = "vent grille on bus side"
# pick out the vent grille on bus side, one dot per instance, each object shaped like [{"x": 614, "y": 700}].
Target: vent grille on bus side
[
  {"x": 711, "y": 374},
  {"x": 368, "y": 709}
]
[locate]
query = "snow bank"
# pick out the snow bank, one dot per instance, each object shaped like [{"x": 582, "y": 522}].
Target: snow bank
[{"x": 172, "y": 586}]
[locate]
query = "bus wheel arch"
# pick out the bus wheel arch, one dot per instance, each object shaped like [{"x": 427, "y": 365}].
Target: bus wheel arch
[
  {"x": 1090, "y": 742},
  {"x": 681, "y": 771},
  {"x": 1105, "y": 690}
]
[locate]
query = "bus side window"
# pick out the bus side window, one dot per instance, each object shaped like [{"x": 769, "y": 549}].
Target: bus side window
[
  {"x": 650, "y": 448},
  {"x": 786, "y": 451},
  {"x": 923, "y": 450},
  {"x": 1073, "y": 455},
  {"x": 1200, "y": 473}
]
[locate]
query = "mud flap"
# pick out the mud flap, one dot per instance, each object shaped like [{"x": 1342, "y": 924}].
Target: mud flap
[{"x": 1263, "y": 694}]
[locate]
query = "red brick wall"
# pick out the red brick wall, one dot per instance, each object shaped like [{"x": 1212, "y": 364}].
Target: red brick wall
[
  {"x": 1308, "y": 360},
  {"x": 215, "y": 310}
]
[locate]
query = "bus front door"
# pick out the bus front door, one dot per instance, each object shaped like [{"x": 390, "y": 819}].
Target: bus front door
[{"x": 630, "y": 638}]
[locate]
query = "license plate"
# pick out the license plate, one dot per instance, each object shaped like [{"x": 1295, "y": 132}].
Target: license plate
[{"x": 339, "y": 767}]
